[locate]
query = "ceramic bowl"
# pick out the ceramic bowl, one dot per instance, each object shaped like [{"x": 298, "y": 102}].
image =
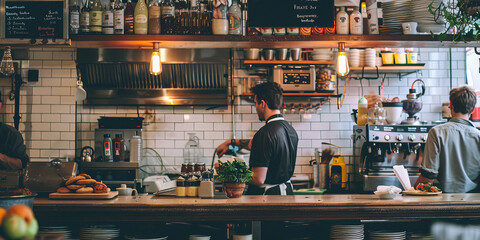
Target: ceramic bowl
[{"x": 385, "y": 195}]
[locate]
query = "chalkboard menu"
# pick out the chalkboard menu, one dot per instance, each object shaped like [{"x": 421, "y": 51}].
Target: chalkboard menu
[
  {"x": 39, "y": 19},
  {"x": 291, "y": 13}
]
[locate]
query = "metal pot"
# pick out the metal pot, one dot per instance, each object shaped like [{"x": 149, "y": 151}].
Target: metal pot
[
  {"x": 252, "y": 53},
  {"x": 8, "y": 201},
  {"x": 269, "y": 54}
]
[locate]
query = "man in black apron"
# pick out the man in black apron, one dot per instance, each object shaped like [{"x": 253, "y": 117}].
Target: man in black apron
[{"x": 274, "y": 146}]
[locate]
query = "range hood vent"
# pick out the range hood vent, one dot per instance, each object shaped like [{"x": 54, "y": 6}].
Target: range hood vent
[{"x": 193, "y": 77}]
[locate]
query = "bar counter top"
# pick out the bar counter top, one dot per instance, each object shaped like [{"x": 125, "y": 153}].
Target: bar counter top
[{"x": 247, "y": 208}]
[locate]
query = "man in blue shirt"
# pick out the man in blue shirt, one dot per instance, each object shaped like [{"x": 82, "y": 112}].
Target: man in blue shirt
[{"x": 452, "y": 150}]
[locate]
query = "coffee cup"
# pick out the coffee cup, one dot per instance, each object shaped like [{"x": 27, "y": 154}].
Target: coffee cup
[
  {"x": 124, "y": 191},
  {"x": 409, "y": 28}
]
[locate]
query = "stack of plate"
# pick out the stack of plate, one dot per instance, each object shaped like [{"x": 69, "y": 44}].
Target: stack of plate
[
  {"x": 353, "y": 56},
  {"x": 322, "y": 54},
  {"x": 387, "y": 235},
  {"x": 420, "y": 236},
  {"x": 57, "y": 230},
  {"x": 426, "y": 21},
  {"x": 394, "y": 14},
  {"x": 350, "y": 232},
  {"x": 101, "y": 232}
]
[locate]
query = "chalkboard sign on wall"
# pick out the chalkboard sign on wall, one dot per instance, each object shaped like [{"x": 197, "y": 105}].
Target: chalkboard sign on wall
[
  {"x": 291, "y": 13},
  {"x": 34, "y": 19}
]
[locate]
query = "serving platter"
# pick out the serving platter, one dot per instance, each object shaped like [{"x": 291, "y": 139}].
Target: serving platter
[
  {"x": 108, "y": 195},
  {"x": 420, "y": 193}
]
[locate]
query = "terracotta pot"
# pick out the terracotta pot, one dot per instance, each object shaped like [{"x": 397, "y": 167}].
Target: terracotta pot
[{"x": 233, "y": 190}]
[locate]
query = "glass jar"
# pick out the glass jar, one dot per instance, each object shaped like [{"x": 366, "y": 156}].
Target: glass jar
[
  {"x": 323, "y": 78},
  {"x": 191, "y": 151}
]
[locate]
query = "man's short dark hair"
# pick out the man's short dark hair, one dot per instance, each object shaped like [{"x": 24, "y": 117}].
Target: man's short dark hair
[
  {"x": 463, "y": 99},
  {"x": 270, "y": 92}
]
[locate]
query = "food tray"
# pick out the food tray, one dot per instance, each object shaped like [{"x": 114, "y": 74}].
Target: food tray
[{"x": 92, "y": 196}]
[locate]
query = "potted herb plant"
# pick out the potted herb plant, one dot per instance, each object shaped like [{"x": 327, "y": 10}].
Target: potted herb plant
[
  {"x": 234, "y": 174},
  {"x": 461, "y": 17}
]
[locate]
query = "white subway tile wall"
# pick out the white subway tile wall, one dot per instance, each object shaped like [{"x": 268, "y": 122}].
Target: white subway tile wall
[{"x": 47, "y": 108}]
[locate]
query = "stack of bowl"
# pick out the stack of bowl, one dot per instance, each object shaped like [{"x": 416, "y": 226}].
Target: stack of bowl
[
  {"x": 354, "y": 57},
  {"x": 370, "y": 57},
  {"x": 322, "y": 54}
]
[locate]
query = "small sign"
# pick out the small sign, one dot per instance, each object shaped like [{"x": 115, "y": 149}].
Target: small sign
[
  {"x": 291, "y": 13},
  {"x": 34, "y": 19}
]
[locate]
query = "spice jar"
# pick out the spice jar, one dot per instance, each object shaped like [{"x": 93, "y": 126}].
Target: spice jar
[
  {"x": 183, "y": 171},
  {"x": 323, "y": 78},
  {"x": 190, "y": 168},
  {"x": 180, "y": 190},
  {"x": 189, "y": 185},
  {"x": 199, "y": 168}
]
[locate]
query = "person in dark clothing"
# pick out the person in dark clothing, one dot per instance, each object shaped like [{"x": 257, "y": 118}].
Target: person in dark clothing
[
  {"x": 13, "y": 153},
  {"x": 274, "y": 146}
]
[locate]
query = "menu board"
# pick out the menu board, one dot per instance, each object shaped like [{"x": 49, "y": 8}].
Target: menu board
[
  {"x": 291, "y": 13},
  {"x": 34, "y": 19}
]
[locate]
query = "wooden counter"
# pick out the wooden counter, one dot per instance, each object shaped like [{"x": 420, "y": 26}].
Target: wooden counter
[{"x": 322, "y": 207}]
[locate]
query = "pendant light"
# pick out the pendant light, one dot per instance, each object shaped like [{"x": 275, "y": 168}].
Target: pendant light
[
  {"x": 342, "y": 61},
  {"x": 6, "y": 65},
  {"x": 156, "y": 60}
]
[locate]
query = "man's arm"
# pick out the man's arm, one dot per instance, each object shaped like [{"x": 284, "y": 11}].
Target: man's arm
[
  {"x": 223, "y": 148},
  {"x": 259, "y": 175},
  {"x": 10, "y": 163}
]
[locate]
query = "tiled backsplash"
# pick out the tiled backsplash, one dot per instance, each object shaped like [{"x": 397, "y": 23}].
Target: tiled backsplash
[{"x": 48, "y": 110}]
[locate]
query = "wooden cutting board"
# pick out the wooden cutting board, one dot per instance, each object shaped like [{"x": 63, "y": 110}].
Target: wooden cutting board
[{"x": 109, "y": 195}]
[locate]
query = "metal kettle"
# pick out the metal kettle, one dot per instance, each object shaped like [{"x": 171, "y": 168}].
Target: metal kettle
[{"x": 87, "y": 154}]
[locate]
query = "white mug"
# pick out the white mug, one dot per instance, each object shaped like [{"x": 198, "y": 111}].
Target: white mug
[
  {"x": 409, "y": 28},
  {"x": 124, "y": 191},
  {"x": 198, "y": 237}
]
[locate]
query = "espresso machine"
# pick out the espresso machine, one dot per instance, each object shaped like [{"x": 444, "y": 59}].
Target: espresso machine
[{"x": 377, "y": 148}]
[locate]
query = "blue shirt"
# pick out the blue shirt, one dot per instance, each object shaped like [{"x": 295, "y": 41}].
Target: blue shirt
[{"x": 452, "y": 156}]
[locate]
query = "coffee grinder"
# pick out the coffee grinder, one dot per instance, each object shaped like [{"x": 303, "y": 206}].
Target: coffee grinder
[{"x": 413, "y": 104}]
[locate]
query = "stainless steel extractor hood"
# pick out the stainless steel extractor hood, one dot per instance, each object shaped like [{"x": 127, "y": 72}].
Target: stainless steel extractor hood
[{"x": 193, "y": 77}]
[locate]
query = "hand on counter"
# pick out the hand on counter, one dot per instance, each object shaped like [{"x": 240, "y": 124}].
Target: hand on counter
[{"x": 10, "y": 163}]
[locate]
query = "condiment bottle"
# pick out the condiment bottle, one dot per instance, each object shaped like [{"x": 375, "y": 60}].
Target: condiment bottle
[
  {"x": 191, "y": 189},
  {"x": 118, "y": 148},
  {"x": 207, "y": 186},
  {"x": 135, "y": 149},
  {"x": 181, "y": 190},
  {"x": 154, "y": 15},
  {"x": 362, "y": 111},
  {"x": 342, "y": 22},
  {"x": 107, "y": 148},
  {"x": 235, "y": 19},
  {"x": 141, "y": 18},
  {"x": 129, "y": 18},
  {"x": 356, "y": 22},
  {"x": 85, "y": 18}
]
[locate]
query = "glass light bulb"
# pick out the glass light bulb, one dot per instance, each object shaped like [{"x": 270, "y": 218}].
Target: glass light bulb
[
  {"x": 155, "y": 63},
  {"x": 342, "y": 64},
  {"x": 6, "y": 66}
]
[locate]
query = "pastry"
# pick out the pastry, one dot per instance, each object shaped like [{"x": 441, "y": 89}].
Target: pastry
[
  {"x": 85, "y": 190},
  {"x": 63, "y": 190},
  {"x": 74, "y": 187},
  {"x": 85, "y": 175},
  {"x": 100, "y": 188},
  {"x": 72, "y": 180},
  {"x": 87, "y": 182}
]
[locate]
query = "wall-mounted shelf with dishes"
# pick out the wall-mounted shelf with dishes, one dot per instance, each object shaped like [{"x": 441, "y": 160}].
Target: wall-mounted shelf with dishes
[
  {"x": 280, "y": 62},
  {"x": 300, "y": 97},
  {"x": 401, "y": 69}
]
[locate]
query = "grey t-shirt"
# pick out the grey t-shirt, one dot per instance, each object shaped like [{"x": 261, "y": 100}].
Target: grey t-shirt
[{"x": 452, "y": 156}]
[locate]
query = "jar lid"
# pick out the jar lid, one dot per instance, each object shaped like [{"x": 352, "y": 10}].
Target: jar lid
[
  {"x": 191, "y": 164},
  {"x": 362, "y": 100}
]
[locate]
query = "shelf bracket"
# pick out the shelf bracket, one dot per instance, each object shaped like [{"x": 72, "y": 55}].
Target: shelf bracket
[{"x": 368, "y": 78}]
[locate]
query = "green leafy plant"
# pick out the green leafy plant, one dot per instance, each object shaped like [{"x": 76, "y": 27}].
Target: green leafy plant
[
  {"x": 234, "y": 172},
  {"x": 462, "y": 18}
]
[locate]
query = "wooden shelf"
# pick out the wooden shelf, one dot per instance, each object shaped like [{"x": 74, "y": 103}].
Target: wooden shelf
[
  {"x": 279, "y": 62},
  {"x": 273, "y": 41},
  {"x": 287, "y": 94},
  {"x": 388, "y": 69}
]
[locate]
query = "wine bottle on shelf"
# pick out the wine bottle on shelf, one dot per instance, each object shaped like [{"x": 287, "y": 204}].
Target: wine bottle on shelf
[
  {"x": 85, "y": 18},
  {"x": 168, "y": 17},
  {"x": 181, "y": 17},
  {"x": 119, "y": 18},
  {"x": 74, "y": 16},
  {"x": 194, "y": 17},
  {"x": 96, "y": 18},
  {"x": 235, "y": 19},
  {"x": 129, "y": 19},
  {"x": 141, "y": 18},
  {"x": 154, "y": 15},
  {"x": 107, "y": 19}
]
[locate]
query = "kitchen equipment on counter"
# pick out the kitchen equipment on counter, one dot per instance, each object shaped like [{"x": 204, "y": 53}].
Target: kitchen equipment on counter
[
  {"x": 252, "y": 53},
  {"x": 413, "y": 104},
  {"x": 393, "y": 111},
  {"x": 377, "y": 148},
  {"x": 126, "y": 133},
  {"x": 295, "y": 77},
  {"x": 113, "y": 174},
  {"x": 48, "y": 176},
  {"x": 87, "y": 154},
  {"x": 8, "y": 201},
  {"x": 161, "y": 183},
  {"x": 123, "y": 190}
]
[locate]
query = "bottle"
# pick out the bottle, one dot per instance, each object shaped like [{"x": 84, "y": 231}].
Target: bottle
[
  {"x": 364, "y": 16},
  {"x": 119, "y": 17},
  {"x": 194, "y": 18},
  {"x": 141, "y": 18},
  {"x": 356, "y": 22},
  {"x": 96, "y": 18},
  {"x": 338, "y": 174},
  {"x": 135, "y": 149},
  {"x": 205, "y": 20},
  {"x": 235, "y": 19},
  {"x": 107, "y": 19},
  {"x": 207, "y": 186},
  {"x": 182, "y": 18},
  {"x": 129, "y": 18},
  {"x": 74, "y": 16},
  {"x": 372, "y": 17},
  {"x": 118, "y": 148},
  {"x": 107, "y": 148},
  {"x": 168, "y": 17},
  {"x": 362, "y": 111},
  {"x": 154, "y": 15},
  {"x": 342, "y": 22},
  {"x": 180, "y": 190},
  {"x": 380, "y": 13},
  {"x": 85, "y": 18},
  {"x": 191, "y": 152}
]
